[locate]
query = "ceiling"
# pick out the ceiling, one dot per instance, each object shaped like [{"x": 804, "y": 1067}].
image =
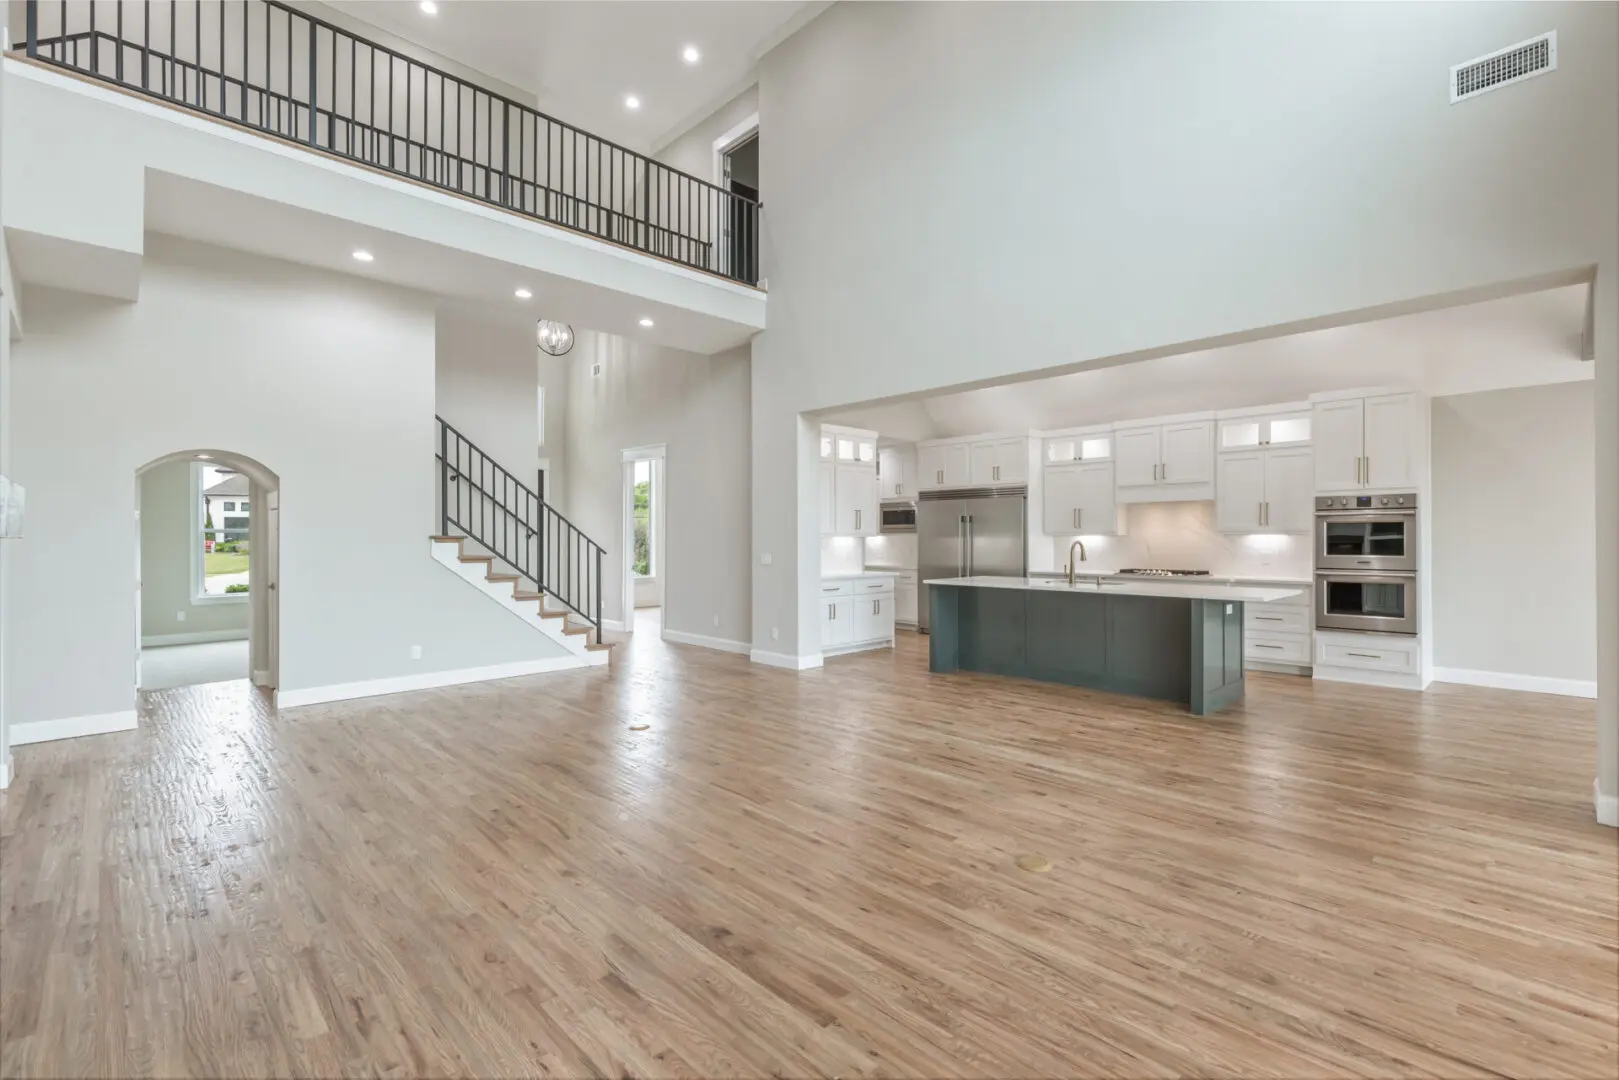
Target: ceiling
[
  {"x": 1526, "y": 340},
  {"x": 580, "y": 59}
]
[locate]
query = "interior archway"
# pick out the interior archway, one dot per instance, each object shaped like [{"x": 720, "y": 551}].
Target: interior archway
[{"x": 195, "y": 554}]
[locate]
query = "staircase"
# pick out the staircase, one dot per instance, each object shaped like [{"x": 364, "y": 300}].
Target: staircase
[{"x": 498, "y": 535}]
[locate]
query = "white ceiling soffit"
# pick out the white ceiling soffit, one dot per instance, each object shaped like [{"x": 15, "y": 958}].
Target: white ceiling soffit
[
  {"x": 1527, "y": 340},
  {"x": 579, "y": 60}
]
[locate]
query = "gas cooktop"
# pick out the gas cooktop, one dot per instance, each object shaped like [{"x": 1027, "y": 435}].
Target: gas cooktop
[{"x": 1165, "y": 573}]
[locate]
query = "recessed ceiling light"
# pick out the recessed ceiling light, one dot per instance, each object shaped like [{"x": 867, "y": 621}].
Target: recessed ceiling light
[
  {"x": 523, "y": 294},
  {"x": 362, "y": 255},
  {"x": 690, "y": 54},
  {"x": 646, "y": 322},
  {"x": 205, "y": 457},
  {"x": 429, "y": 8},
  {"x": 631, "y": 101}
]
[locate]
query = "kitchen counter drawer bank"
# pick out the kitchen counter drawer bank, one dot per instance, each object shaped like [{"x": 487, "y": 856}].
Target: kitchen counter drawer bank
[{"x": 1173, "y": 641}]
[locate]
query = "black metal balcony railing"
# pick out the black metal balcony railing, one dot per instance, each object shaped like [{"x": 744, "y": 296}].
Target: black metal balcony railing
[{"x": 276, "y": 70}]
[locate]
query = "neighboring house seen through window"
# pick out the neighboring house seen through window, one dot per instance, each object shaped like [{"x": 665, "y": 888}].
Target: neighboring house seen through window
[{"x": 222, "y": 556}]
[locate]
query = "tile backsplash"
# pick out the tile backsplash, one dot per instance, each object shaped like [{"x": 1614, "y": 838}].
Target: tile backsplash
[
  {"x": 842, "y": 555},
  {"x": 1181, "y": 536},
  {"x": 892, "y": 550}
]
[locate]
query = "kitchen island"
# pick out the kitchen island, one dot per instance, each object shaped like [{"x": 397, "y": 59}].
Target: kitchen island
[{"x": 1174, "y": 641}]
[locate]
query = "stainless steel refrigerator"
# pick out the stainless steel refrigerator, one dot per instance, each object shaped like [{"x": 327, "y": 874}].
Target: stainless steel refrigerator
[{"x": 970, "y": 533}]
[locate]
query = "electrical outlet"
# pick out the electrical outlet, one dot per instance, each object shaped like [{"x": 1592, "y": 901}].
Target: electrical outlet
[
  {"x": 764, "y": 559},
  {"x": 775, "y": 635},
  {"x": 179, "y": 616},
  {"x": 415, "y": 652},
  {"x": 716, "y": 620}
]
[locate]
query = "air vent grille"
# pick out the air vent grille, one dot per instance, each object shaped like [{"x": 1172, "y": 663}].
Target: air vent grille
[{"x": 1513, "y": 64}]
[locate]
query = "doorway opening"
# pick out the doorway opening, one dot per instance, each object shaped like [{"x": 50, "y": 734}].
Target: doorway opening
[
  {"x": 207, "y": 568},
  {"x": 646, "y": 566},
  {"x": 736, "y": 171}
]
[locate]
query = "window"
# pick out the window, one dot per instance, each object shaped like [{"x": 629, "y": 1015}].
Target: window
[
  {"x": 221, "y": 554},
  {"x": 644, "y": 562}
]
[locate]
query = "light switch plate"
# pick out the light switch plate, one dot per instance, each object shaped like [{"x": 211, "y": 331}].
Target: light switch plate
[{"x": 764, "y": 559}]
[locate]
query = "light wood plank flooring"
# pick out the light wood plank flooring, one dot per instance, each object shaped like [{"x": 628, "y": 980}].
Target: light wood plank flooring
[{"x": 812, "y": 875}]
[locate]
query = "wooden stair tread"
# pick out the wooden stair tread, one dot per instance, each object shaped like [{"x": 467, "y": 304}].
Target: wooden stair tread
[
  {"x": 528, "y": 596},
  {"x": 602, "y": 647},
  {"x": 476, "y": 558},
  {"x": 446, "y": 539},
  {"x": 500, "y": 577},
  {"x": 576, "y": 629}
]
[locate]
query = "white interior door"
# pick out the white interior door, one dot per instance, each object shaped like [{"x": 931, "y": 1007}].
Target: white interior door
[{"x": 272, "y": 588}]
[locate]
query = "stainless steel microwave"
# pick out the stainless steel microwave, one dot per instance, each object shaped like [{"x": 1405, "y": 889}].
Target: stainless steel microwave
[
  {"x": 1366, "y": 533},
  {"x": 899, "y": 517}
]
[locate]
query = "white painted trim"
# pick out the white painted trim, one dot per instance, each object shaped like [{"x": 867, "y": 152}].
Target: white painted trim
[
  {"x": 655, "y": 452},
  {"x": 196, "y": 637},
  {"x": 401, "y": 684},
  {"x": 261, "y": 678},
  {"x": 1502, "y": 680},
  {"x": 1607, "y": 805},
  {"x": 859, "y": 646},
  {"x": 728, "y": 142},
  {"x": 616, "y": 627},
  {"x": 784, "y": 660},
  {"x": 5, "y": 775},
  {"x": 280, "y": 148},
  {"x": 1393, "y": 680},
  {"x": 703, "y": 641},
  {"x": 72, "y": 727}
]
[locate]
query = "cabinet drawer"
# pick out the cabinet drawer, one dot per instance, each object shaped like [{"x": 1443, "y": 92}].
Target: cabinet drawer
[
  {"x": 837, "y": 588},
  {"x": 1277, "y": 649},
  {"x": 1372, "y": 656},
  {"x": 873, "y": 585},
  {"x": 1271, "y": 617}
]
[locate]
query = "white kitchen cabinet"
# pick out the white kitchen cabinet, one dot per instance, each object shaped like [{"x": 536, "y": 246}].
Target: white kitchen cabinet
[
  {"x": 999, "y": 461},
  {"x": 873, "y": 617},
  {"x": 1290, "y": 490},
  {"x": 837, "y": 622},
  {"x": 1169, "y": 461},
  {"x": 1239, "y": 500},
  {"x": 855, "y": 500},
  {"x": 896, "y": 472},
  {"x": 829, "y": 506},
  {"x": 1188, "y": 453},
  {"x": 1339, "y": 437},
  {"x": 905, "y": 606},
  {"x": 858, "y": 613},
  {"x": 1392, "y": 429},
  {"x": 1280, "y": 633},
  {"x": 1254, "y": 429},
  {"x": 942, "y": 465},
  {"x": 1136, "y": 457},
  {"x": 1265, "y": 491},
  {"x": 1373, "y": 442},
  {"x": 1080, "y": 499},
  {"x": 1081, "y": 444}
]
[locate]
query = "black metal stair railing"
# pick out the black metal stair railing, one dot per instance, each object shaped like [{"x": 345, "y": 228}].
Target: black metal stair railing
[
  {"x": 491, "y": 507},
  {"x": 279, "y": 71}
]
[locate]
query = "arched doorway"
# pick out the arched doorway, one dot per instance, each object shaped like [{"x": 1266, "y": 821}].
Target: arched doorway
[{"x": 207, "y": 570}]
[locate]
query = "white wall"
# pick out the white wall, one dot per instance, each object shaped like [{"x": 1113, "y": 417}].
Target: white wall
[
  {"x": 167, "y": 540},
  {"x": 335, "y": 377},
  {"x": 554, "y": 372},
  {"x": 486, "y": 386},
  {"x": 1514, "y": 532},
  {"x": 698, "y": 407},
  {"x": 963, "y": 192}
]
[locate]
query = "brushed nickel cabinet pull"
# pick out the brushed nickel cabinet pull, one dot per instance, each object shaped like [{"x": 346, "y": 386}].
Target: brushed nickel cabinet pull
[{"x": 1368, "y": 655}]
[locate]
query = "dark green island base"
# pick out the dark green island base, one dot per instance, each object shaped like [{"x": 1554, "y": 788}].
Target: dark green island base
[{"x": 1170, "y": 648}]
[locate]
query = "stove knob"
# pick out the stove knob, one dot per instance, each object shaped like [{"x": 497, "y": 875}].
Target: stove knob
[
  {"x": 1343, "y": 502},
  {"x": 1400, "y": 500},
  {"x": 1385, "y": 500}
]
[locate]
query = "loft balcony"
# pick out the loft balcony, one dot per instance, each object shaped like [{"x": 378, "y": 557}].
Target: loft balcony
[{"x": 278, "y": 77}]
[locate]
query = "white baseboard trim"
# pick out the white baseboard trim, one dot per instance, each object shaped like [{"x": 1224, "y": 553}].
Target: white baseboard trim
[
  {"x": 5, "y": 775},
  {"x": 199, "y": 637},
  {"x": 615, "y": 626},
  {"x": 403, "y": 684},
  {"x": 863, "y": 646},
  {"x": 72, "y": 727},
  {"x": 1501, "y": 680},
  {"x": 1607, "y": 805},
  {"x": 703, "y": 641},
  {"x": 784, "y": 660}
]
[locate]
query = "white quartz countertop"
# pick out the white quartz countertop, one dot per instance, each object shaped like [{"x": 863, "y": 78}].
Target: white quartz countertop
[{"x": 1181, "y": 589}]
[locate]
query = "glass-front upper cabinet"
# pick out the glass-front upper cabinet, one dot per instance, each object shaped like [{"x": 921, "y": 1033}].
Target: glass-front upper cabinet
[
  {"x": 1290, "y": 428},
  {"x": 1061, "y": 449},
  {"x": 845, "y": 446}
]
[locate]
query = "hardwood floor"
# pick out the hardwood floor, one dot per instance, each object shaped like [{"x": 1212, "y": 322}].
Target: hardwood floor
[{"x": 812, "y": 875}]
